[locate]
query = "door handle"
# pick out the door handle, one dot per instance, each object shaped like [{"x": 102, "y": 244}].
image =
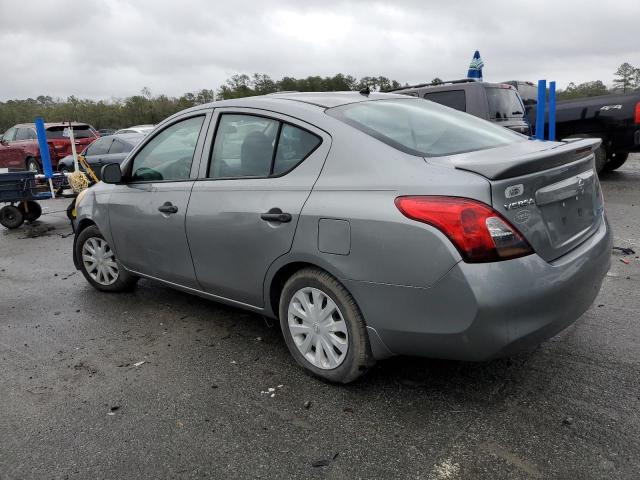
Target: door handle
[
  {"x": 168, "y": 208},
  {"x": 276, "y": 215}
]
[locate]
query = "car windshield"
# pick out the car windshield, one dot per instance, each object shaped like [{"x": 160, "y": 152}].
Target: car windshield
[
  {"x": 504, "y": 103},
  {"x": 79, "y": 131},
  {"x": 423, "y": 128}
]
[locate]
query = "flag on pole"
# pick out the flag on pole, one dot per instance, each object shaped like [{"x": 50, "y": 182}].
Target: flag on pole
[{"x": 475, "y": 67}]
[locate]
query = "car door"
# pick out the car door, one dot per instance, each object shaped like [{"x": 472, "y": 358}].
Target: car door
[
  {"x": 10, "y": 157},
  {"x": 147, "y": 211},
  {"x": 245, "y": 205}
]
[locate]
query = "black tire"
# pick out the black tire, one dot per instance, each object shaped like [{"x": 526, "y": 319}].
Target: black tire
[
  {"x": 31, "y": 164},
  {"x": 600, "y": 153},
  {"x": 32, "y": 212},
  {"x": 124, "y": 281},
  {"x": 11, "y": 217},
  {"x": 616, "y": 162},
  {"x": 358, "y": 357}
]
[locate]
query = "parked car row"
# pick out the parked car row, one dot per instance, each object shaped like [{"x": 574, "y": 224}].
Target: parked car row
[{"x": 19, "y": 148}]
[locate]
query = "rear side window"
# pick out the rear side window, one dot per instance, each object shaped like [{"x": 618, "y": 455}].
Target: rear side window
[
  {"x": 79, "y": 131},
  {"x": 423, "y": 128},
  {"x": 118, "y": 147},
  {"x": 168, "y": 155},
  {"x": 294, "y": 146},
  {"x": 99, "y": 147},
  {"x": 504, "y": 103},
  {"x": 252, "y": 146},
  {"x": 453, "y": 99}
]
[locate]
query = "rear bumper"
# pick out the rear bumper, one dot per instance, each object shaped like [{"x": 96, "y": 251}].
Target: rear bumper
[{"x": 481, "y": 311}]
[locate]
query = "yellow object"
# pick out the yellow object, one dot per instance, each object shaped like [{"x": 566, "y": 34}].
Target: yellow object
[
  {"x": 78, "y": 181},
  {"x": 86, "y": 166}
]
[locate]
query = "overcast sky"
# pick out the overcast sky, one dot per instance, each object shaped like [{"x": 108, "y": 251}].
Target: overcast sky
[{"x": 113, "y": 48}]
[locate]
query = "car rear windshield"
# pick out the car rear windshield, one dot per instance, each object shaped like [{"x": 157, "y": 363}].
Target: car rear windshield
[
  {"x": 504, "y": 103},
  {"x": 79, "y": 131},
  {"x": 423, "y": 128}
]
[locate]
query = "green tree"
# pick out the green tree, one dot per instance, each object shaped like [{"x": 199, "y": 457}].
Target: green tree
[{"x": 625, "y": 77}]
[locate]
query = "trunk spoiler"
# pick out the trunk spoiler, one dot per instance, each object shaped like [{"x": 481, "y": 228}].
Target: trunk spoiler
[{"x": 495, "y": 166}]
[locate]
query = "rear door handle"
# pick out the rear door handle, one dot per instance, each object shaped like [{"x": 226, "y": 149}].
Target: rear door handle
[
  {"x": 168, "y": 208},
  {"x": 276, "y": 215}
]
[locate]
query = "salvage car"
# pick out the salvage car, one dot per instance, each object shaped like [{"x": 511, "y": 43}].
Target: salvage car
[
  {"x": 103, "y": 151},
  {"x": 24, "y": 137},
  {"x": 370, "y": 225}
]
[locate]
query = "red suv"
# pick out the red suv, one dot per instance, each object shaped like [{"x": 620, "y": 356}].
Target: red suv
[{"x": 23, "y": 136}]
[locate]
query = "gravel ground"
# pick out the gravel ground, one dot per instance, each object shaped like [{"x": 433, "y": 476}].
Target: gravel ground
[{"x": 75, "y": 401}]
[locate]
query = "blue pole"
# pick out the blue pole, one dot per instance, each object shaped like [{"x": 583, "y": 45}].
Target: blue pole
[
  {"x": 542, "y": 96},
  {"x": 552, "y": 110},
  {"x": 44, "y": 148}
]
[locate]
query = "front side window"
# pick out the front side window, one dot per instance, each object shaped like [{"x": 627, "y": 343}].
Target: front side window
[
  {"x": 252, "y": 146},
  {"x": 9, "y": 135},
  {"x": 23, "y": 134},
  {"x": 423, "y": 128},
  {"x": 168, "y": 156}
]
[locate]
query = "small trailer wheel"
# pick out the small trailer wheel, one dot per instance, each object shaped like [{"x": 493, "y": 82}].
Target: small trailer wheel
[
  {"x": 32, "y": 211},
  {"x": 11, "y": 216}
]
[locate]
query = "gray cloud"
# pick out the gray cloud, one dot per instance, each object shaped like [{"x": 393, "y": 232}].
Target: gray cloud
[{"x": 102, "y": 49}]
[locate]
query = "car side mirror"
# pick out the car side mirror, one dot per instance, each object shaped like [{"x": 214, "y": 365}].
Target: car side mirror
[{"x": 111, "y": 173}]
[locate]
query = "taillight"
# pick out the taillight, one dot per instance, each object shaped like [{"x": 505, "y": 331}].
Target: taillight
[
  {"x": 637, "y": 115},
  {"x": 478, "y": 232}
]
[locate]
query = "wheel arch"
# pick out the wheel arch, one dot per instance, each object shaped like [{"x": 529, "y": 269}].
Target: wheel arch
[{"x": 82, "y": 225}]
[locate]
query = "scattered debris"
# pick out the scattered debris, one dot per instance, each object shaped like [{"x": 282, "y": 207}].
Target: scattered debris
[
  {"x": 137, "y": 364},
  {"x": 347, "y": 410},
  {"x": 325, "y": 462},
  {"x": 179, "y": 424},
  {"x": 567, "y": 420},
  {"x": 625, "y": 261},
  {"x": 600, "y": 305},
  {"x": 625, "y": 250},
  {"x": 259, "y": 339},
  {"x": 214, "y": 386},
  {"x": 115, "y": 407},
  {"x": 233, "y": 362},
  {"x": 111, "y": 414},
  {"x": 307, "y": 404}
]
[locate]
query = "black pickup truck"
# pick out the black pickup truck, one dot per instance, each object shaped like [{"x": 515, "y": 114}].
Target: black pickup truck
[{"x": 613, "y": 118}]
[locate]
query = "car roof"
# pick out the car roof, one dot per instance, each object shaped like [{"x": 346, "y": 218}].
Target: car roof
[
  {"x": 54, "y": 124},
  {"x": 132, "y": 138}
]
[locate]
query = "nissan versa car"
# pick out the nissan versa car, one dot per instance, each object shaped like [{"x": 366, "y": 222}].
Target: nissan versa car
[{"x": 370, "y": 225}]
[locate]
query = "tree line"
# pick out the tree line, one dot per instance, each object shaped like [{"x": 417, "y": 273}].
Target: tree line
[{"x": 146, "y": 108}]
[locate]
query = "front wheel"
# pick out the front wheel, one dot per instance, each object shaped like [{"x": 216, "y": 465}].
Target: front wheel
[
  {"x": 99, "y": 264},
  {"x": 323, "y": 327}
]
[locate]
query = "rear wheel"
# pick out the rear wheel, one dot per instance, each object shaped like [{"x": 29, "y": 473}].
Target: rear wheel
[
  {"x": 323, "y": 327},
  {"x": 99, "y": 264},
  {"x": 31, "y": 211},
  {"x": 32, "y": 165},
  {"x": 616, "y": 162},
  {"x": 11, "y": 217}
]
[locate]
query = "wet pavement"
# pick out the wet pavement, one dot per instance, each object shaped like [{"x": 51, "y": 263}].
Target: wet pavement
[{"x": 76, "y": 401}]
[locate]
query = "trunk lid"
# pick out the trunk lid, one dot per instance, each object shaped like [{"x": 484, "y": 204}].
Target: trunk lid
[
  {"x": 83, "y": 136},
  {"x": 549, "y": 191}
]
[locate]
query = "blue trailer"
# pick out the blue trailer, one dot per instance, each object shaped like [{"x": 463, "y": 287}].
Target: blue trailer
[{"x": 20, "y": 192}]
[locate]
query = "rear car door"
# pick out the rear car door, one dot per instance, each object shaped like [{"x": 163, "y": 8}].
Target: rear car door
[
  {"x": 147, "y": 212},
  {"x": 10, "y": 156},
  {"x": 245, "y": 206}
]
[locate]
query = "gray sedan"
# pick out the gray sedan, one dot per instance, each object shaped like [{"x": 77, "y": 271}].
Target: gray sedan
[{"x": 370, "y": 225}]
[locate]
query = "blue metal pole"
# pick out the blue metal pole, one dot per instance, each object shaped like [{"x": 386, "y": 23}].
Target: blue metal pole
[
  {"x": 552, "y": 110},
  {"x": 542, "y": 96},
  {"x": 44, "y": 148}
]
